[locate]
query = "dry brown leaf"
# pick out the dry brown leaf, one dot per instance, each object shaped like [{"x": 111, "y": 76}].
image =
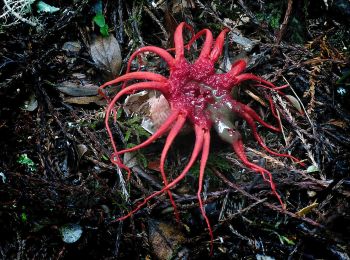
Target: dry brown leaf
[
  {"x": 137, "y": 103},
  {"x": 105, "y": 52},
  {"x": 307, "y": 209},
  {"x": 179, "y": 6},
  {"x": 154, "y": 165},
  {"x": 78, "y": 88},
  {"x": 81, "y": 150},
  {"x": 85, "y": 100},
  {"x": 153, "y": 108},
  {"x": 165, "y": 239},
  {"x": 339, "y": 123}
]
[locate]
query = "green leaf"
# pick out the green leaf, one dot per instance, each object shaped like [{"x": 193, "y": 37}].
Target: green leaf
[
  {"x": 287, "y": 240},
  {"x": 219, "y": 162},
  {"x": 312, "y": 168},
  {"x": 119, "y": 113},
  {"x": 44, "y": 7},
  {"x": 142, "y": 159},
  {"x": 104, "y": 30},
  {"x": 130, "y": 145},
  {"x": 133, "y": 120},
  {"x": 294, "y": 101},
  {"x": 127, "y": 135},
  {"x": 25, "y": 160},
  {"x": 24, "y": 217},
  {"x": 99, "y": 19}
]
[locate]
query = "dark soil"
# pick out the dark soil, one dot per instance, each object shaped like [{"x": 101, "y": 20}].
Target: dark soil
[{"x": 54, "y": 162}]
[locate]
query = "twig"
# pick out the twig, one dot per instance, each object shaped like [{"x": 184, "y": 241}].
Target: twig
[
  {"x": 280, "y": 123},
  {"x": 239, "y": 212},
  {"x": 284, "y": 24},
  {"x": 248, "y": 12},
  {"x": 118, "y": 238},
  {"x": 136, "y": 12},
  {"x": 16, "y": 14},
  {"x": 212, "y": 13},
  {"x": 267, "y": 204},
  {"x": 119, "y": 29},
  {"x": 165, "y": 33},
  {"x": 301, "y": 104}
]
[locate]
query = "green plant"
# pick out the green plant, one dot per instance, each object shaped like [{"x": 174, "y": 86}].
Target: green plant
[
  {"x": 100, "y": 20},
  {"x": 24, "y": 217},
  {"x": 25, "y": 160},
  {"x": 272, "y": 15},
  {"x": 134, "y": 129}
]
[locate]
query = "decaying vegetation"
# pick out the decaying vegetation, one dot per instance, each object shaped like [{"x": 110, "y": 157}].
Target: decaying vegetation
[{"x": 59, "y": 193}]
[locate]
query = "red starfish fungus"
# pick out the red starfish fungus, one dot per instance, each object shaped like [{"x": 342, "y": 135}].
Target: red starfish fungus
[{"x": 196, "y": 93}]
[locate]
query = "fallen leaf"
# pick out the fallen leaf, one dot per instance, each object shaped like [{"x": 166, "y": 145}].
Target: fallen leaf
[
  {"x": 130, "y": 160},
  {"x": 72, "y": 47},
  {"x": 45, "y": 8},
  {"x": 81, "y": 149},
  {"x": 237, "y": 37},
  {"x": 307, "y": 209},
  {"x": 153, "y": 108},
  {"x": 31, "y": 104},
  {"x": 165, "y": 239},
  {"x": 78, "y": 88},
  {"x": 263, "y": 257},
  {"x": 312, "y": 168},
  {"x": 339, "y": 123},
  {"x": 105, "y": 52},
  {"x": 85, "y": 100},
  {"x": 154, "y": 165},
  {"x": 295, "y": 103},
  {"x": 136, "y": 103},
  {"x": 159, "y": 111}
]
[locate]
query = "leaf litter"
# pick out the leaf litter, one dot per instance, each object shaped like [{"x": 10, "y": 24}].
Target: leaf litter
[{"x": 89, "y": 190}]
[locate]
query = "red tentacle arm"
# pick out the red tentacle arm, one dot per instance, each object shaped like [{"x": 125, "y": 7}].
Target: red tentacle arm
[
  {"x": 179, "y": 41},
  {"x": 249, "y": 76},
  {"x": 207, "y": 43},
  {"x": 163, "y": 129},
  {"x": 249, "y": 111},
  {"x": 239, "y": 150},
  {"x": 251, "y": 123},
  {"x": 243, "y": 109},
  {"x": 274, "y": 110},
  {"x": 203, "y": 163},
  {"x": 166, "y": 56},
  {"x": 237, "y": 68},
  {"x": 209, "y": 39},
  {"x": 196, "y": 150},
  {"x": 172, "y": 134},
  {"x": 138, "y": 86},
  {"x": 159, "y": 51},
  {"x": 276, "y": 88},
  {"x": 218, "y": 46},
  {"x": 133, "y": 76}
]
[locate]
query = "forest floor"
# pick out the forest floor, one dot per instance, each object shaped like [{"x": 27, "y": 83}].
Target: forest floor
[{"x": 60, "y": 195}]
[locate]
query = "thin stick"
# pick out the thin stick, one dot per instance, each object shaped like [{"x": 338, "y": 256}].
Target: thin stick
[
  {"x": 267, "y": 204},
  {"x": 284, "y": 23}
]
